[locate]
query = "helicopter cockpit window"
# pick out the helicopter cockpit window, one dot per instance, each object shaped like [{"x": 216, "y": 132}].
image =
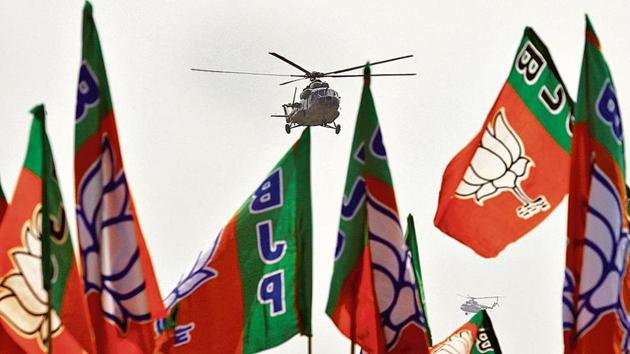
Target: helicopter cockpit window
[{"x": 305, "y": 94}]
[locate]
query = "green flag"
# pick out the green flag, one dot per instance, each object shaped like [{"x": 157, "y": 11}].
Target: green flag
[
  {"x": 412, "y": 245},
  {"x": 474, "y": 337},
  {"x": 251, "y": 290}
]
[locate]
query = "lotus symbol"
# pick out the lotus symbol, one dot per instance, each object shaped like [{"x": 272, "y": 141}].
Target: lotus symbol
[
  {"x": 396, "y": 291},
  {"x": 604, "y": 259},
  {"x": 458, "y": 343},
  {"x": 500, "y": 164},
  {"x": 109, "y": 248},
  {"x": 200, "y": 273},
  {"x": 23, "y": 300}
]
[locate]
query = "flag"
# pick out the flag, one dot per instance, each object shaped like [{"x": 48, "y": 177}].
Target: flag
[
  {"x": 119, "y": 281},
  {"x": 514, "y": 172},
  {"x": 8, "y": 344},
  {"x": 251, "y": 290},
  {"x": 3, "y": 203},
  {"x": 596, "y": 293},
  {"x": 373, "y": 297},
  {"x": 412, "y": 246},
  {"x": 37, "y": 267},
  {"x": 474, "y": 337}
]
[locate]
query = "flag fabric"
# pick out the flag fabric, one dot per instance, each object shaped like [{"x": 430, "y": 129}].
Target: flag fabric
[
  {"x": 39, "y": 270},
  {"x": 374, "y": 299},
  {"x": 474, "y": 337},
  {"x": 3, "y": 203},
  {"x": 120, "y": 284},
  {"x": 596, "y": 293},
  {"x": 514, "y": 172},
  {"x": 251, "y": 290},
  {"x": 412, "y": 246}
]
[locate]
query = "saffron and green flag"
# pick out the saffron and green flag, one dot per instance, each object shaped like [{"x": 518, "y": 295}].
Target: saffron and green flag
[
  {"x": 374, "y": 299},
  {"x": 120, "y": 284},
  {"x": 38, "y": 271},
  {"x": 512, "y": 175},
  {"x": 474, "y": 337},
  {"x": 596, "y": 295},
  {"x": 251, "y": 290}
]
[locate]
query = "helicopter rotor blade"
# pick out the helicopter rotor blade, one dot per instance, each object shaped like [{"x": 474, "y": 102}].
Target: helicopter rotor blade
[
  {"x": 371, "y": 64},
  {"x": 361, "y": 75},
  {"x": 294, "y": 92},
  {"x": 288, "y": 82},
  {"x": 243, "y": 73},
  {"x": 290, "y": 62}
]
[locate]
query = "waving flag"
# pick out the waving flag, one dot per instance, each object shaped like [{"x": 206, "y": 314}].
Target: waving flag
[
  {"x": 120, "y": 284},
  {"x": 252, "y": 289},
  {"x": 596, "y": 294},
  {"x": 374, "y": 299},
  {"x": 412, "y": 246},
  {"x": 474, "y": 337},
  {"x": 515, "y": 171},
  {"x": 37, "y": 267}
]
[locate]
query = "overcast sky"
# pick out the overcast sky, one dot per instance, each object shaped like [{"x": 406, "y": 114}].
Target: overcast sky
[{"x": 196, "y": 145}]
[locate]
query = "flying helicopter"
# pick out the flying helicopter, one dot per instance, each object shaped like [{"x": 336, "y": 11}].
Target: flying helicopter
[
  {"x": 318, "y": 104},
  {"x": 472, "y": 306}
]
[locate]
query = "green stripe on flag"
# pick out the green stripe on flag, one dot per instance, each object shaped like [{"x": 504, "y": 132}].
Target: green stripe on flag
[
  {"x": 92, "y": 66},
  {"x": 535, "y": 78}
]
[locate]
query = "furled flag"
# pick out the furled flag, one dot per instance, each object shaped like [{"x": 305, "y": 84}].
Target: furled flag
[
  {"x": 474, "y": 337},
  {"x": 40, "y": 286},
  {"x": 119, "y": 281},
  {"x": 374, "y": 299},
  {"x": 412, "y": 246},
  {"x": 596, "y": 294},
  {"x": 252, "y": 289},
  {"x": 515, "y": 171}
]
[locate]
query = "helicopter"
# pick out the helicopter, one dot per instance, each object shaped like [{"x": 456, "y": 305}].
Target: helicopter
[
  {"x": 318, "y": 104},
  {"x": 472, "y": 306}
]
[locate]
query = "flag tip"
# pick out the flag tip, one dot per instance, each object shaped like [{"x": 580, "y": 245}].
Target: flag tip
[
  {"x": 39, "y": 111},
  {"x": 87, "y": 8},
  {"x": 366, "y": 74}
]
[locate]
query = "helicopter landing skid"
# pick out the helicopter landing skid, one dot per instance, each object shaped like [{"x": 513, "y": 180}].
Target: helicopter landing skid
[{"x": 336, "y": 127}]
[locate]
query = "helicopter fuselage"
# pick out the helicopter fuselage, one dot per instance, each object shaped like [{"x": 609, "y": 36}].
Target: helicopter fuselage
[{"x": 319, "y": 105}]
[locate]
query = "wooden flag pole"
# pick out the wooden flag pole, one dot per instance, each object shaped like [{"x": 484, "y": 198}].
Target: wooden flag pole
[
  {"x": 352, "y": 347},
  {"x": 310, "y": 349}
]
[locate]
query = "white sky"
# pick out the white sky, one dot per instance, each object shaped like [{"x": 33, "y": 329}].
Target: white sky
[{"x": 196, "y": 145}]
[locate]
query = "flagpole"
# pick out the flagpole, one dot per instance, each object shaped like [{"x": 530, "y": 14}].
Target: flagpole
[
  {"x": 310, "y": 345},
  {"x": 352, "y": 347}
]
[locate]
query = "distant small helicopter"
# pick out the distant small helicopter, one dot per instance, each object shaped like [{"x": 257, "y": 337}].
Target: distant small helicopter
[
  {"x": 472, "y": 306},
  {"x": 319, "y": 104}
]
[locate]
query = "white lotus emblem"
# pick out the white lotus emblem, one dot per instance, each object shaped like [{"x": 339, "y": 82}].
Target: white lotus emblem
[
  {"x": 458, "y": 343},
  {"x": 395, "y": 285},
  {"x": 23, "y": 300},
  {"x": 604, "y": 260},
  {"x": 500, "y": 164},
  {"x": 109, "y": 248}
]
